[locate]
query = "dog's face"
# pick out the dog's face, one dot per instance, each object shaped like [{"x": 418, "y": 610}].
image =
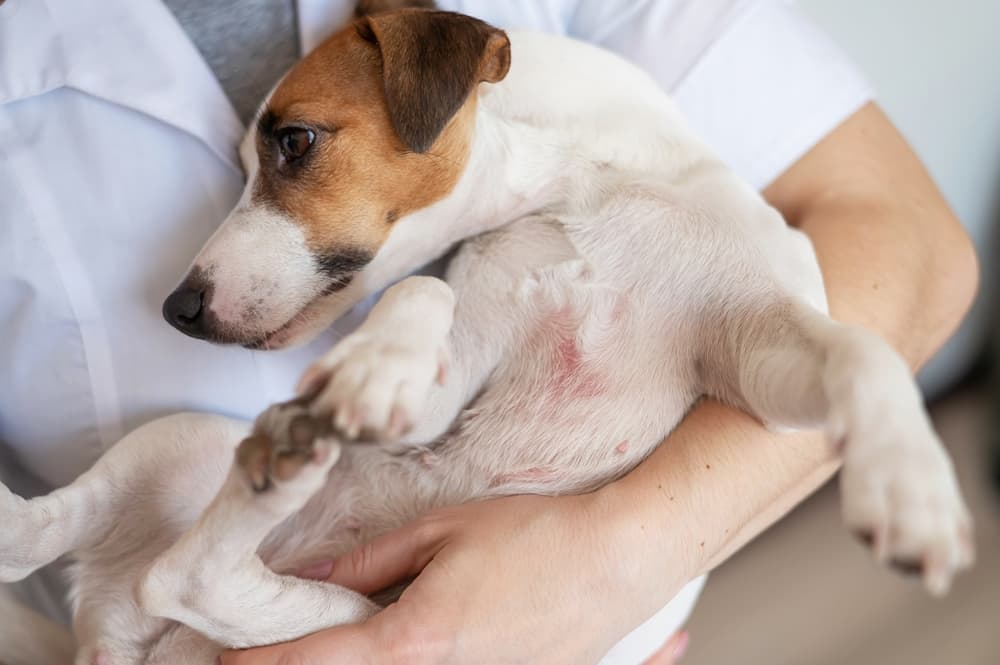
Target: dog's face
[{"x": 372, "y": 126}]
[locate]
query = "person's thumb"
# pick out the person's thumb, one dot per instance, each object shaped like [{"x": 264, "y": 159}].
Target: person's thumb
[
  {"x": 391, "y": 558},
  {"x": 346, "y": 645},
  {"x": 671, "y": 652}
]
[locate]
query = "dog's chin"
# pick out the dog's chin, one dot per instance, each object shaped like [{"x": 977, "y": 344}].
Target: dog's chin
[{"x": 303, "y": 327}]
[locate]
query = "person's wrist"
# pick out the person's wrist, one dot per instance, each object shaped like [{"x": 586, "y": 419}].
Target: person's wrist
[{"x": 644, "y": 543}]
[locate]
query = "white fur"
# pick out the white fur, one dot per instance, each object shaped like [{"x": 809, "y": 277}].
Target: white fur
[
  {"x": 612, "y": 271},
  {"x": 264, "y": 288}
]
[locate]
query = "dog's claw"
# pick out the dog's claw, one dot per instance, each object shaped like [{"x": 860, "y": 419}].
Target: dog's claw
[
  {"x": 908, "y": 567},
  {"x": 865, "y": 537}
]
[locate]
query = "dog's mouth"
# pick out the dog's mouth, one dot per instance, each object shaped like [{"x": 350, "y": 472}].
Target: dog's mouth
[
  {"x": 287, "y": 333},
  {"x": 281, "y": 337}
]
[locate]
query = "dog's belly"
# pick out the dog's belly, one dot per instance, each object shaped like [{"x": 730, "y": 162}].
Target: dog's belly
[
  {"x": 585, "y": 397},
  {"x": 567, "y": 416}
]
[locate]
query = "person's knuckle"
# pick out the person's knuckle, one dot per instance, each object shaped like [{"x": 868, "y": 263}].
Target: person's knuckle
[
  {"x": 240, "y": 658},
  {"x": 362, "y": 558}
]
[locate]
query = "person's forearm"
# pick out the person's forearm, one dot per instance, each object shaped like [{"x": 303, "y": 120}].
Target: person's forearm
[{"x": 894, "y": 261}]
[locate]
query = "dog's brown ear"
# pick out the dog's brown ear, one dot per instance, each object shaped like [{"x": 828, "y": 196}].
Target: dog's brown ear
[{"x": 431, "y": 62}]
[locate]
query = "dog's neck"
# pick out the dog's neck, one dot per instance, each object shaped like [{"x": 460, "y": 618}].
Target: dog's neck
[
  {"x": 513, "y": 170},
  {"x": 533, "y": 149}
]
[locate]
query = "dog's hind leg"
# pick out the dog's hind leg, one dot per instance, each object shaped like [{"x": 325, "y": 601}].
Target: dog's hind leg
[
  {"x": 79, "y": 516},
  {"x": 793, "y": 366},
  {"x": 212, "y": 578},
  {"x": 115, "y": 518},
  {"x": 181, "y": 644},
  {"x": 36, "y": 532}
]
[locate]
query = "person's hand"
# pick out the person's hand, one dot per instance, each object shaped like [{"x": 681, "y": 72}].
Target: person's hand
[{"x": 528, "y": 579}]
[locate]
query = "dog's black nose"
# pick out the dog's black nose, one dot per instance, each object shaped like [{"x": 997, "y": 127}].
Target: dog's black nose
[{"x": 183, "y": 310}]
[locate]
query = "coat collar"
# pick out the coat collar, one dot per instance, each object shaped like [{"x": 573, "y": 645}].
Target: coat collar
[{"x": 128, "y": 52}]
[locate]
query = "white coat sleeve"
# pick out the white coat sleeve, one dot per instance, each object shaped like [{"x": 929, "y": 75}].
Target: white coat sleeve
[{"x": 755, "y": 79}]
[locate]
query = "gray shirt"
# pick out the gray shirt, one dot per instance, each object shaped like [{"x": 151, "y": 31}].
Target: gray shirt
[{"x": 249, "y": 44}]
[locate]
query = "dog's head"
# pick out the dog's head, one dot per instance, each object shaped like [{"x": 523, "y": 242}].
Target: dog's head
[{"x": 373, "y": 125}]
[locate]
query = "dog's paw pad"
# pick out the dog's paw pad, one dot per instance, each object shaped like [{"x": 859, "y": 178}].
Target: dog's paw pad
[
  {"x": 254, "y": 457},
  {"x": 286, "y": 444}
]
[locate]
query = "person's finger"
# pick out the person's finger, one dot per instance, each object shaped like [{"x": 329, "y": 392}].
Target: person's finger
[
  {"x": 394, "y": 557},
  {"x": 671, "y": 652},
  {"x": 345, "y": 645}
]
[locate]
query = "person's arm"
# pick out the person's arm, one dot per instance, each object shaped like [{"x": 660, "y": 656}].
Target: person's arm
[
  {"x": 894, "y": 259},
  {"x": 558, "y": 580}
]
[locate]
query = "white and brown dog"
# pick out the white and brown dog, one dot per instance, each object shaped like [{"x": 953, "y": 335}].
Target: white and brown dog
[{"x": 610, "y": 271}]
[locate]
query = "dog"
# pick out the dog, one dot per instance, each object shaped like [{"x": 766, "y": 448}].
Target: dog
[{"x": 608, "y": 271}]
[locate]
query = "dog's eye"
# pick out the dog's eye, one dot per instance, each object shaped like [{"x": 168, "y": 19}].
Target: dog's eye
[{"x": 295, "y": 142}]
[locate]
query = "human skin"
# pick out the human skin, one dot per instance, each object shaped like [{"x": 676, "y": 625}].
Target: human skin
[{"x": 559, "y": 580}]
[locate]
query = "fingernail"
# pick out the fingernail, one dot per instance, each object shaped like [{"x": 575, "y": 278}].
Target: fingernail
[
  {"x": 682, "y": 645},
  {"x": 317, "y": 571}
]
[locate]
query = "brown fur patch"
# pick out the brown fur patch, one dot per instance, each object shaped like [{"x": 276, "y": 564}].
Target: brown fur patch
[
  {"x": 360, "y": 175},
  {"x": 431, "y": 62}
]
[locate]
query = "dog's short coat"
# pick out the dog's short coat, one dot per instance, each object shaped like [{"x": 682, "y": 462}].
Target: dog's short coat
[{"x": 611, "y": 270}]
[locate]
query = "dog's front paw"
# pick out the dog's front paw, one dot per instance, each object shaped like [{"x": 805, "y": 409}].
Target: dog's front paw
[
  {"x": 374, "y": 386},
  {"x": 900, "y": 495}
]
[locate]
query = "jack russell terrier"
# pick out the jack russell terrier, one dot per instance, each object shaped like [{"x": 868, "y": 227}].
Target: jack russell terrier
[{"x": 610, "y": 271}]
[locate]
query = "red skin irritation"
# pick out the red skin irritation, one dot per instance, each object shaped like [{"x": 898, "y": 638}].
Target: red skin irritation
[{"x": 572, "y": 379}]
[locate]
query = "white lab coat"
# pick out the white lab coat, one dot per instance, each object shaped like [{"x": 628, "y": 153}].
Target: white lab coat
[{"x": 118, "y": 160}]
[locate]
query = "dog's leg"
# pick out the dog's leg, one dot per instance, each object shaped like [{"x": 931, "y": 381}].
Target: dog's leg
[
  {"x": 36, "y": 532},
  {"x": 114, "y": 518},
  {"x": 793, "y": 366},
  {"x": 79, "y": 516},
  {"x": 181, "y": 644},
  {"x": 212, "y": 579},
  {"x": 130, "y": 493},
  {"x": 407, "y": 371},
  {"x": 374, "y": 382}
]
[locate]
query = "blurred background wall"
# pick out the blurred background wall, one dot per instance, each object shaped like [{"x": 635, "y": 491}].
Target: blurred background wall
[{"x": 935, "y": 65}]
